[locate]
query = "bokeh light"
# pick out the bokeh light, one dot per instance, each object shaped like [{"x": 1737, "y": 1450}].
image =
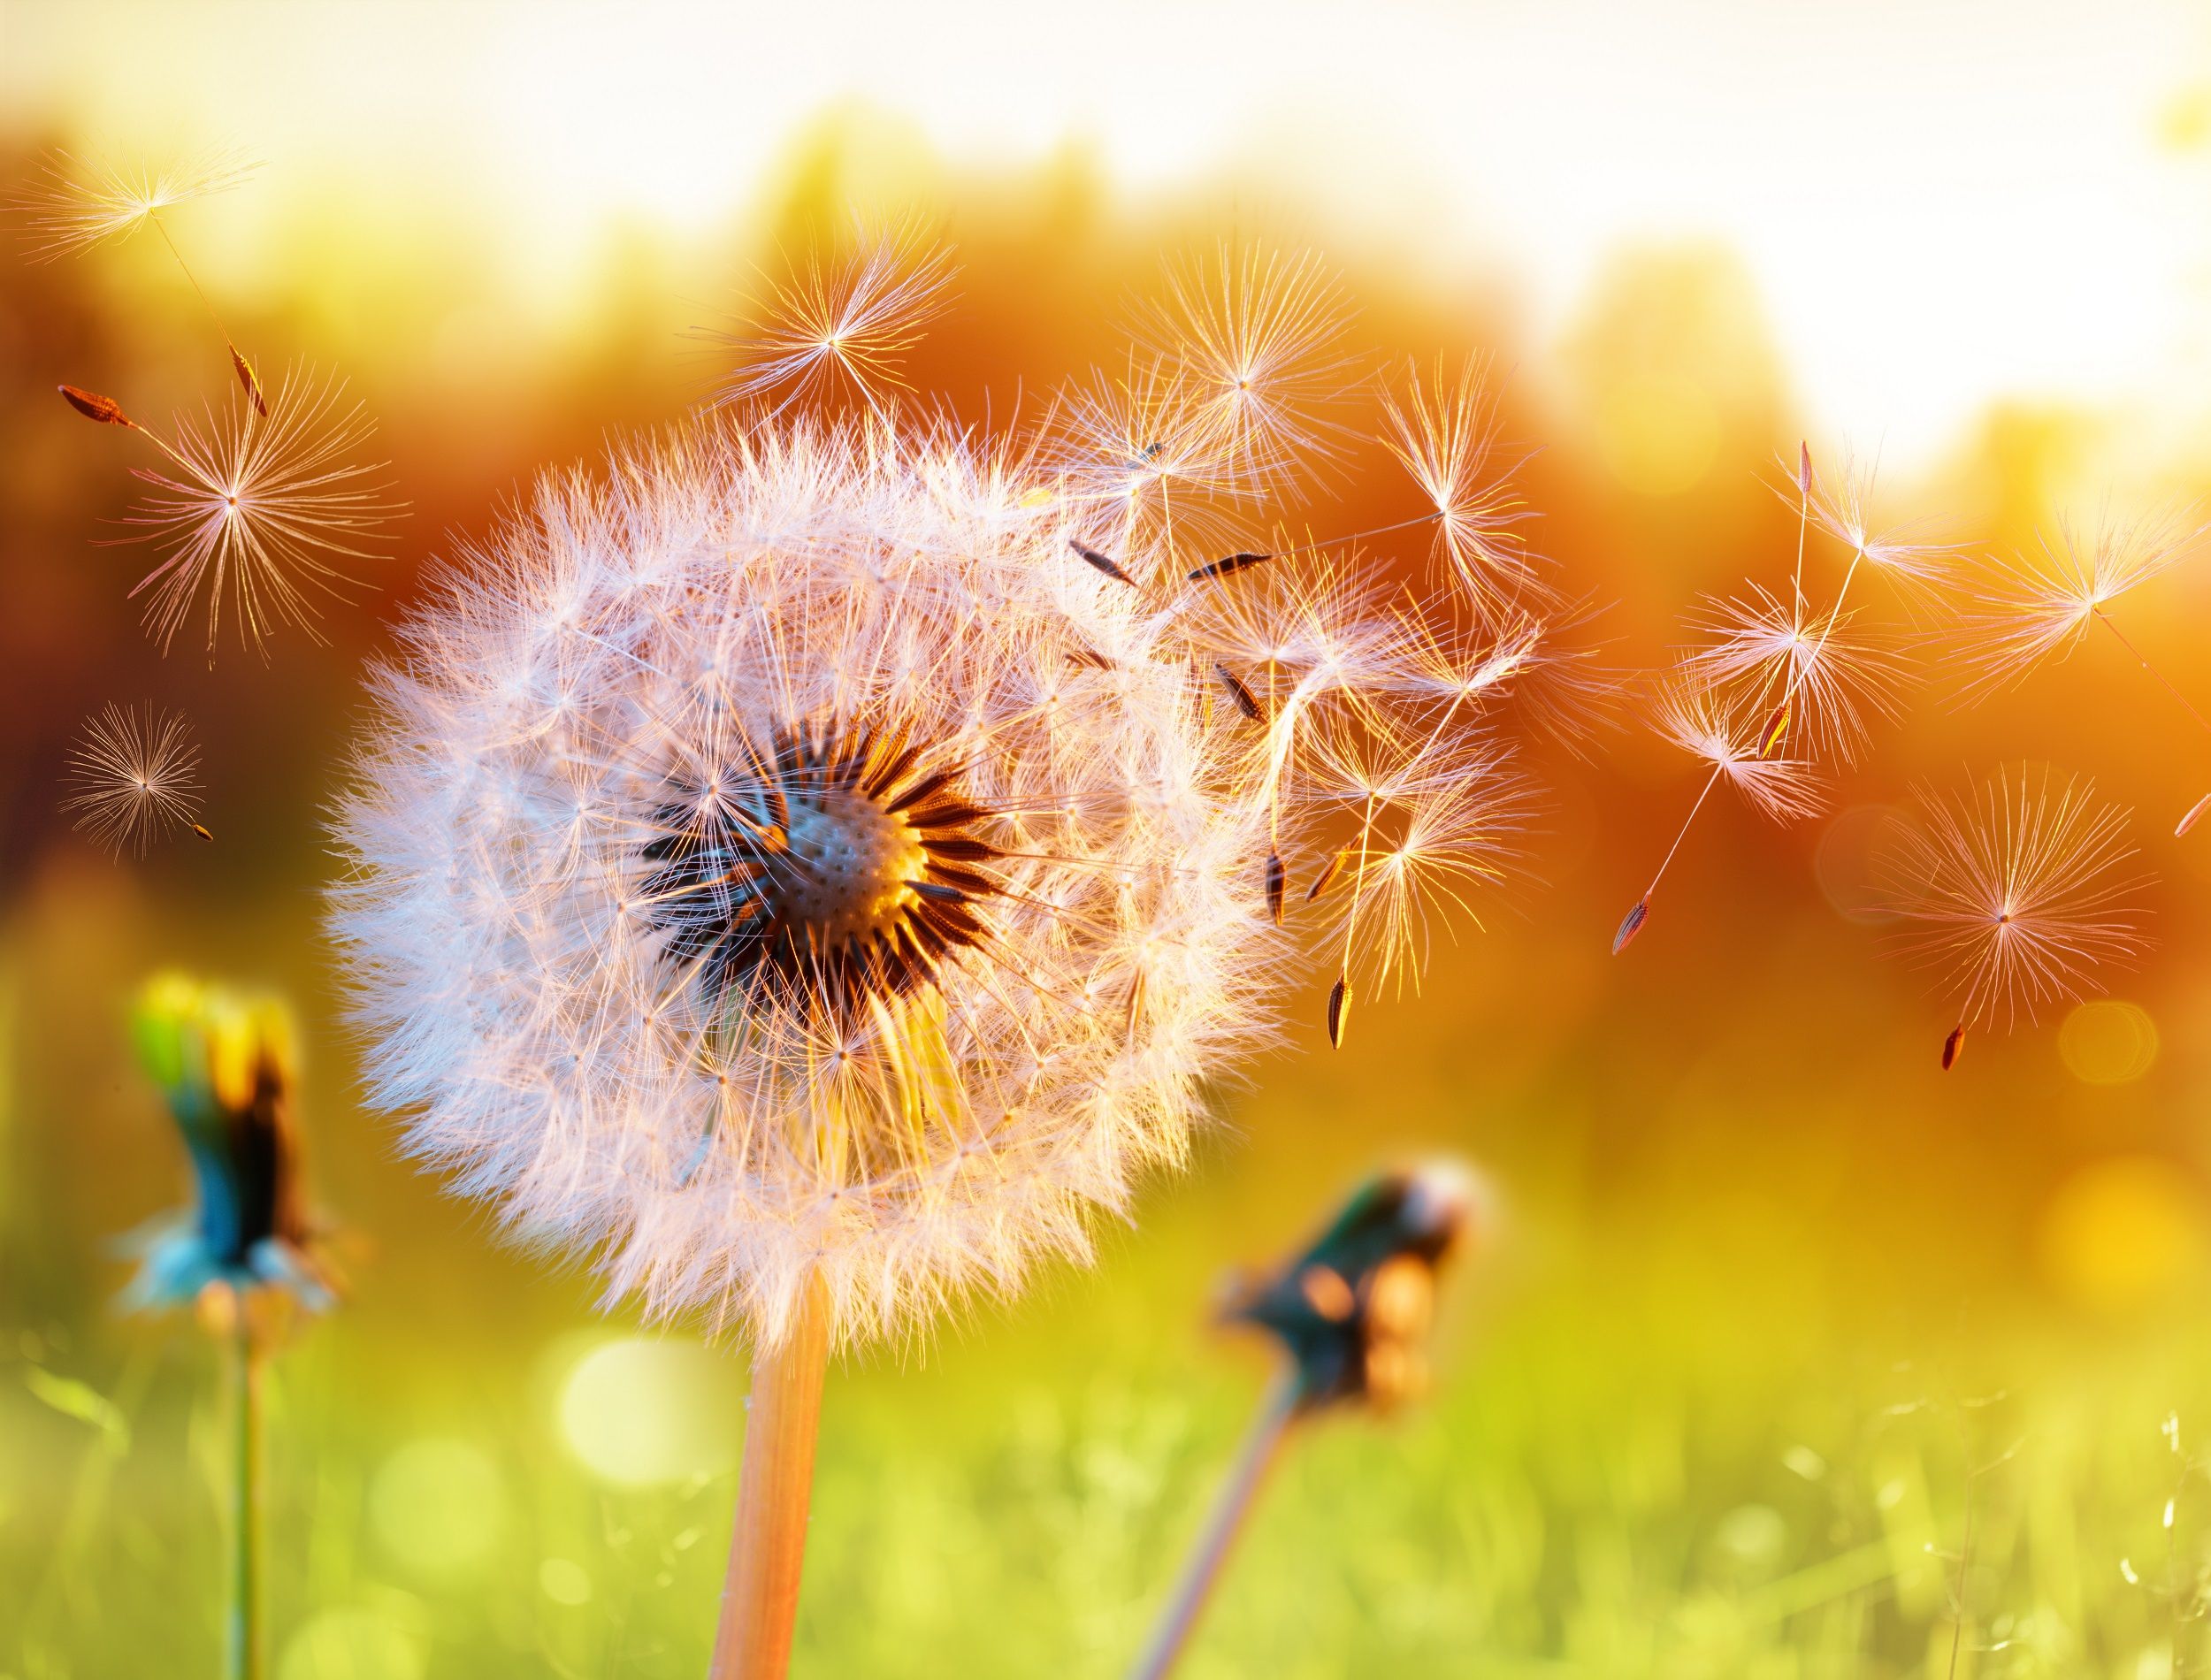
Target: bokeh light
[
  {"x": 641, "y": 1411},
  {"x": 2122, "y": 1234},
  {"x": 2106, "y": 1041},
  {"x": 438, "y": 1506}
]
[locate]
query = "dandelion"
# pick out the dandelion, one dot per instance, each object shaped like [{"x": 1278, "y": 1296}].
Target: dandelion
[
  {"x": 247, "y": 1253},
  {"x": 253, "y": 509},
  {"x": 2039, "y": 606},
  {"x": 1350, "y": 1313},
  {"x": 136, "y": 778},
  {"x": 82, "y": 204},
  {"x": 2015, "y": 895},
  {"x": 814, "y": 868},
  {"x": 840, "y": 329}
]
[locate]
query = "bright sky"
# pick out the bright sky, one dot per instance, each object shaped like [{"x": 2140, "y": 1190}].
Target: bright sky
[{"x": 1942, "y": 203}]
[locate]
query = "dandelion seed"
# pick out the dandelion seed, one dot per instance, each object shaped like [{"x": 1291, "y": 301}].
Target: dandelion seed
[
  {"x": 1277, "y": 878},
  {"x": 201, "y": 830},
  {"x": 106, "y": 410},
  {"x": 1253, "y": 335},
  {"x": 1339, "y": 1010},
  {"x": 2194, "y": 811},
  {"x": 1240, "y": 691},
  {"x": 1703, "y": 723},
  {"x": 2037, "y": 606},
  {"x": 1444, "y": 433},
  {"x": 252, "y": 514},
  {"x": 1103, "y": 563},
  {"x": 1630, "y": 924},
  {"x": 1922, "y": 567},
  {"x": 2014, "y": 895},
  {"x": 1226, "y": 565},
  {"x": 136, "y": 776},
  {"x": 82, "y": 203},
  {"x": 1951, "y": 1047},
  {"x": 832, "y": 329},
  {"x": 1804, "y": 469},
  {"x": 1330, "y": 873},
  {"x": 1833, "y": 678}
]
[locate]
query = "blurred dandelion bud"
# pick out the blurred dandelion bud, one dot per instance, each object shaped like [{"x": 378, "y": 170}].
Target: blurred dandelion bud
[
  {"x": 1352, "y": 1309},
  {"x": 245, "y": 1253},
  {"x": 226, "y": 1063}
]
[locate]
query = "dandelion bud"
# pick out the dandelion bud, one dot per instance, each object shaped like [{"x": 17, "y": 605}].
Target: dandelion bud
[
  {"x": 226, "y": 1063},
  {"x": 1353, "y": 1308}
]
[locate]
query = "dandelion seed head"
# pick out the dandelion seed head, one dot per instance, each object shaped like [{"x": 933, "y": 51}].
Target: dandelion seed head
[
  {"x": 134, "y": 778},
  {"x": 783, "y": 940},
  {"x": 2014, "y": 893}
]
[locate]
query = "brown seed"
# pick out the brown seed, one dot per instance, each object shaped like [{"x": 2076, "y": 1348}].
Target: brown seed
[
  {"x": 1329, "y": 871},
  {"x": 93, "y": 406},
  {"x": 1339, "y": 1008},
  {"x": 1951, "y": 1046},
  {"x": 200, "y": 830},
  {"x": 247, "y": 378},
  {"x": 1277, "y": 878},
  {"x": 1630, "y": 924},
  {"x": 1225, "y": 564},
  {"x": 1777, "y": 727},
  {"x": 1103, "y": 563},
  {"x": 1239, "y": 691},
  {"x": 2194, "y": 811}
]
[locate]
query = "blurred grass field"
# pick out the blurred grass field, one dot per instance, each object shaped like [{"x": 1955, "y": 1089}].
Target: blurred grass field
[{"x": 1787, "y": 1355}]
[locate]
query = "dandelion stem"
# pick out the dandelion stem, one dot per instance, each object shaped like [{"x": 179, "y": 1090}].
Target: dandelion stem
[
  {"x": 2187, "y": 705},
  {"x": 760, "y": 1597},
  {"x": 243, "y": 1660},
  {"x": 1711, "y": 782},
  {"x": 1262, "y": 1445}
]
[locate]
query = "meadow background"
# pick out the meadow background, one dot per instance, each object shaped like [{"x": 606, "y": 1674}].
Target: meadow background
[{"x": 1786, "y": 1355}]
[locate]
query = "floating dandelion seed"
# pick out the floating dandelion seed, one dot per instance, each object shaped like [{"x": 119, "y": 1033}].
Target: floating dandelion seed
[
  {"x": 840, "y": 329},
  {"x": 82, "y": 203},
  {"x": 1702, "y": 722},
  {"x": 252, "y": 510},
  {"x": 1776, "y": 685},
  {"x": 1254, "y": 334},
  {"x": 2038, "y": 606},
  {"x": 1840, "y": 510},
  {"x": 1445, "y": 431},
  {"x": 2014, "y": 896},
  {"x": 1835, "y": 678},
  {"x": 136, "y": 776}
]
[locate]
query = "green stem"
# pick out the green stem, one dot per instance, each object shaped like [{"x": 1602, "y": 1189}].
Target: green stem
[
  {"x": 243, "y": 1659},
  {"x": 1262, "y": 1445}
]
